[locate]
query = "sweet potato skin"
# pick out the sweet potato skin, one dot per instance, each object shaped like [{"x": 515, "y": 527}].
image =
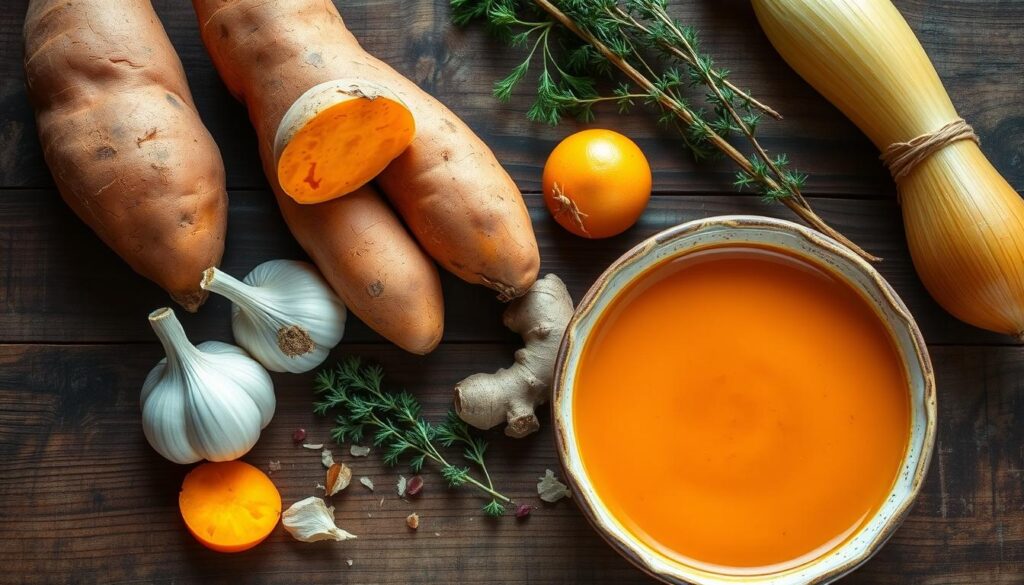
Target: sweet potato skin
[
  {"x": 356, "y": 241},
  {"x": 380, "y": 273},
  {"x": 462, "y": 206},
  {"x": 123, "y": 139}
]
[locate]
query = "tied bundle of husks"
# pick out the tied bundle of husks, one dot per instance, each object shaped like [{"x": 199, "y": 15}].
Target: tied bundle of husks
[
  {"x": 123, "y": 139},
  {"x": 964, "y": 222}
]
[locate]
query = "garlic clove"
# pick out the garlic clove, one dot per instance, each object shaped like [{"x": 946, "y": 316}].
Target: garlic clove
[
  {"x": 284, "y": 313},
  {"x": 249, "y": 375},
  {"x": 163, "y": 419},
  {"x": 223, "y": 423}
]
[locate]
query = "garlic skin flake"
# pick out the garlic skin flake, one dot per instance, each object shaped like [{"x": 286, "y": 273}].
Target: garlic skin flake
[
  {"x": 284, "y": 313},
  {"x": 311, "y": 520},
  {"x": 203, "y": 402},
  {"x": 339, "y": 476},
  {"x": 550, "y": 489}
]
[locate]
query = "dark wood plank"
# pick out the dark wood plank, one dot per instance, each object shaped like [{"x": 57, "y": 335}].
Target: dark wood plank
[
  {"x": 87, "y": 501},
  {"x": 976, "y": 47},
  {"x": 62, "y": 285}
]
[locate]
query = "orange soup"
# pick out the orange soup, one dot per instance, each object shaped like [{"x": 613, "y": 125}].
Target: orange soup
[{"x": 740, "y": 410}]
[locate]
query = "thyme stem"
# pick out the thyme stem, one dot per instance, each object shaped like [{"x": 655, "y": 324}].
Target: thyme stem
[
  {"x": 622, "y": 14},
  {"x": 394, "y": 419},
  {"x": 797, "y": 204},
  {"x": 600, "y": 37}
]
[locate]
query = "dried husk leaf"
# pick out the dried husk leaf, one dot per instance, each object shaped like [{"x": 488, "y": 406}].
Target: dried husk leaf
[
  {"x": 311, "y": 520},
  {"x": 550, "y": 489},
  {"x": 339, "y": 476},
  {"x": 327, "y": 458}
]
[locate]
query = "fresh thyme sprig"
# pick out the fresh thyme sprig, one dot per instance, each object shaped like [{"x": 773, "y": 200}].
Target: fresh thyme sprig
[
  {"x": 393, "y": 421},
  {"x": 572, "y": 43}
]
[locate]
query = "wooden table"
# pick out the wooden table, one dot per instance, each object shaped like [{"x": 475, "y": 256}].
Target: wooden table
[{"x": 85, "y": 499}]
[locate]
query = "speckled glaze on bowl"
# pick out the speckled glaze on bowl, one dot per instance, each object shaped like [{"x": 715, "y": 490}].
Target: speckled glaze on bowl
[{"x": 803, "y": 243}]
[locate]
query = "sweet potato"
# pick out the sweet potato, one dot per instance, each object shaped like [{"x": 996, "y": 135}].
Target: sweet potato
[
  {"x": 366, "y": 255},
  {"x": 123, "y": 140},
  {"x": 356, "y": 241},
  {"x": 461, "y": 205},
  {"x": 337, "y": 137}
]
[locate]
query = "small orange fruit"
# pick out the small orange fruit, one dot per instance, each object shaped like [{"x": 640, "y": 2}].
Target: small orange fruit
[{"x": 597, "y": 183}]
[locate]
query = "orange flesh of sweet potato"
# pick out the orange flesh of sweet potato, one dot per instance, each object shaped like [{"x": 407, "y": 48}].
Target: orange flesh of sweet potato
[
  {"x": 332, "y": 145},
  {"x": 356, "y": 241},
  {"x": 462, "y": 206},
  {"x": 123, "y": 140},
  {"x": 229, "y": 506}
]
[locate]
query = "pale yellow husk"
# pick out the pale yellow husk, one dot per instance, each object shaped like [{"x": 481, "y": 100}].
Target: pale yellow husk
[{"x": 964, "y": 222}]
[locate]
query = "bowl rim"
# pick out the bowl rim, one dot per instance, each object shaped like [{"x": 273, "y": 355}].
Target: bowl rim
[{"x": 824, "y": 243}]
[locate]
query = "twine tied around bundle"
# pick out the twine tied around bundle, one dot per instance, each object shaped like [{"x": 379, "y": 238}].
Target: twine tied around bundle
[{"x": 902, "y": 157}]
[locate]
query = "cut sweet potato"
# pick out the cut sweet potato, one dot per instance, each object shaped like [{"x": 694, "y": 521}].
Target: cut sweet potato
[
  {"x": 448, "y": 187},
  {"x": 337, "y": 137},
  {"x": 356, "y": 241}
]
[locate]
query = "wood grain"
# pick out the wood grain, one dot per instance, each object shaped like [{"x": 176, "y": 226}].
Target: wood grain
[
  {"x": 976, "y": 46},
  {"x": 62, "y": 285},
  {"x": 87, "y": 501}
]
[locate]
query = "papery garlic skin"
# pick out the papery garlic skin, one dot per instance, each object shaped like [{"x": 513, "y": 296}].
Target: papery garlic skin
[
  {"x": 311, "y": 520},
  {"x": 284, "y": 314},
  {"x": 203, "y": 402}
]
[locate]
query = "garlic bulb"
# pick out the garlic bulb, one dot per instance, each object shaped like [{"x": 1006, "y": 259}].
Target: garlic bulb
[
  {"x": 203, "y": 402},
  {"x": 285, "y": 314}
]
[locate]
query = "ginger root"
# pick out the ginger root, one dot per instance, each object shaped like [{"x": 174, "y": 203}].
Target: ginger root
[{"x": 511, "y": 394}]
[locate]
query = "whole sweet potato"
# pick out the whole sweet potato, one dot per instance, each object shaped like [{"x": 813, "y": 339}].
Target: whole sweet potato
[
  {"x": 356, "y": 241},
  {"x": 461, "y": 205},
  {"x": 366, "y": 255},
  {"x": 123, "y": 140}
]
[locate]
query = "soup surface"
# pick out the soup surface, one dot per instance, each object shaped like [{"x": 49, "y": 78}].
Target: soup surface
[{"x": 741, "y": 410}]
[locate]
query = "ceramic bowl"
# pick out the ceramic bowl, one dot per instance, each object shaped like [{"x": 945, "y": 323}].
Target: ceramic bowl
[{"x": 803, "y": 243}]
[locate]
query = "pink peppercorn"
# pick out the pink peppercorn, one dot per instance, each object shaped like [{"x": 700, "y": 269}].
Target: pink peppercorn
[
  {"x": 414, "y": 486},
  {"x": 523, "y": 510}
]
